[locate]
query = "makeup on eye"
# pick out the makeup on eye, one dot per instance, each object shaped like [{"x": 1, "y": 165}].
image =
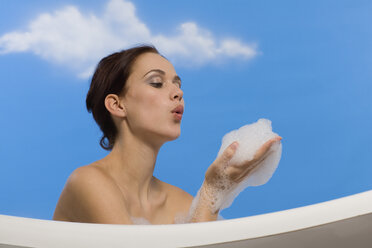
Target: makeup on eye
[
  {"x": 178, "y": 82},
  {"x": 157, "y": 85},
  {"x": 157, "y": 81},
  {"x": 157, "y": 73}
]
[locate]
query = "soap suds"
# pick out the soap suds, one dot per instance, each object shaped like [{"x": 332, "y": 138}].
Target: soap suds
[
  {"x": 250, "y": 138},
  {"x": 140, "y": 221}
]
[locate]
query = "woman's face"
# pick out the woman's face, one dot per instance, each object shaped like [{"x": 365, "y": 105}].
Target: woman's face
[{"x": 153, "y": 99}]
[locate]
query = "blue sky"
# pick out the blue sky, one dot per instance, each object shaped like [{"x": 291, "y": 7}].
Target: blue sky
[{"x": 305, "y": 65}]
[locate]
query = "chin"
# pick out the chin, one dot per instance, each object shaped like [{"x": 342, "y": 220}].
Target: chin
[
  {"x": 174, "y": 136},
  {"x": 163, "y": 137}
]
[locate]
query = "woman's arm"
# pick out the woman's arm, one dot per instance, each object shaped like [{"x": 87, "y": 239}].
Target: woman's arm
[{"x": 201, "y": 209}]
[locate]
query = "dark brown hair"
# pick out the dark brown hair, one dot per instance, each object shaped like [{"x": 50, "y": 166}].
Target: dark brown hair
[{"x": 111, "y": 74}]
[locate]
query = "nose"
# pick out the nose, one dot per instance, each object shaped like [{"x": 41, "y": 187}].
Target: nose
[{"x": 177, "y": 94}]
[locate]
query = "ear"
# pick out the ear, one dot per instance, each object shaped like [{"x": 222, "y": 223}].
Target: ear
[{"x": 115, "y": 106}]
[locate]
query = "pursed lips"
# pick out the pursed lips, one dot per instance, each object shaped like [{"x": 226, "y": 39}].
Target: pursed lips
[
  {"x": 177, "y": 112},
  {"x": 178, "y": 109}
]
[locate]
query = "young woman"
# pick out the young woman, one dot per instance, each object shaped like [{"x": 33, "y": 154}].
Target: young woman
[{"x": 135, "y": 97}]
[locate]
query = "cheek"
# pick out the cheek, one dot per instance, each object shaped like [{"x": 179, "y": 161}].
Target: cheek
[{"x": 153, "y": 108}]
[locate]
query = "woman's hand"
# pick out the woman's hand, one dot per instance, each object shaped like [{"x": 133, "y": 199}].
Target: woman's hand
[
  {"x": 221, "y": 179},
  {"x": 235, "y": 173}
]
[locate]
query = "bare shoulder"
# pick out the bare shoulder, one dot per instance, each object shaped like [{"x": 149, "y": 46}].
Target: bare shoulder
[
  {"x": 90, "y": 196},
  {"x": 88, "y": 175},
  {"x": 179, "y": 199}
]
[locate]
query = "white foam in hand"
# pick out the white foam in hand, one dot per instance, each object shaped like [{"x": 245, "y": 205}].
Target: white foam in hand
[{"x": 251, "y": 138}]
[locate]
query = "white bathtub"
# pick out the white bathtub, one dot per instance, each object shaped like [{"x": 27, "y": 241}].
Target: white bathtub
[{"x": 344, "y": 222}]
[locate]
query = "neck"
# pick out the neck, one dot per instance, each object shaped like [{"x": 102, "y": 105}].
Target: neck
[{"x": 131, "y": 163}]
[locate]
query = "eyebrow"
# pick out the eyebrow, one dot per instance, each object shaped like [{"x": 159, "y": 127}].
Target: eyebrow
[{"x": 176, "y": 78}]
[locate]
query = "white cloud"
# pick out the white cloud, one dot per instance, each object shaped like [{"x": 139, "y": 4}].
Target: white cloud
[{"x": 76, "y": 40}]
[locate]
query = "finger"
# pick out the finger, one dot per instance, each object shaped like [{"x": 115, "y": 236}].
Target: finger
[
  {"x": 253, "y": 166},
  {"x": 228, "y": 153},
  {"x": 221, "y": 162},
  {"x": 265, "y": 148}
]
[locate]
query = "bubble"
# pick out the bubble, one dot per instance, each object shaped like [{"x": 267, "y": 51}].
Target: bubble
[
  {"x": 251, "y": 138},
  {"x": 140, "y": 221}
]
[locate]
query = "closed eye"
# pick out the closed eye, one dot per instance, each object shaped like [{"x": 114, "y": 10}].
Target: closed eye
[
  {"x": 178, "y": 83},
  {"x": 157, "y": 85}
]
